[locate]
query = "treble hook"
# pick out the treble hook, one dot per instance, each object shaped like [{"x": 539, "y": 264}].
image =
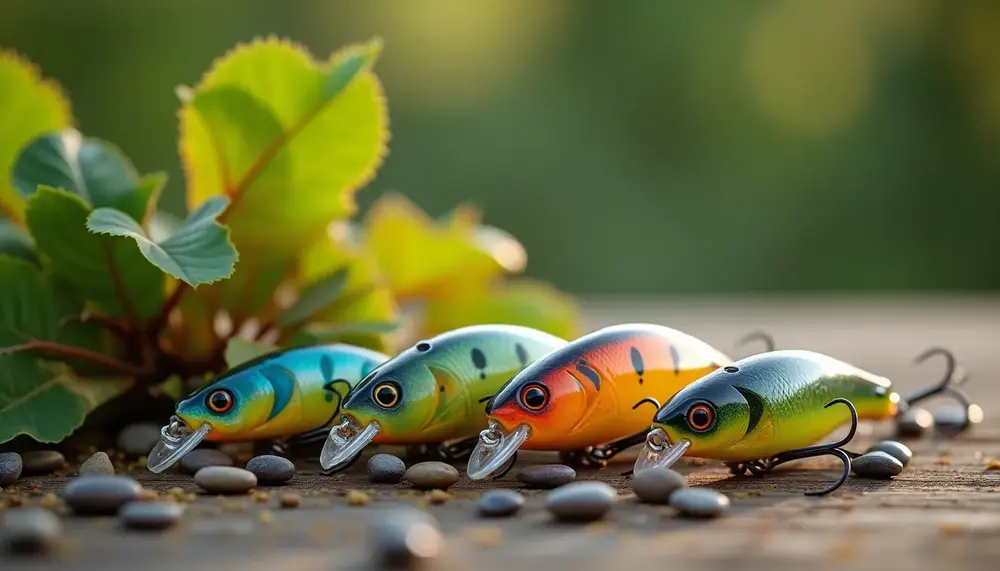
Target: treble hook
[
  {"x": 954, "y": 376},
  {"x": 758, "y": 336}
]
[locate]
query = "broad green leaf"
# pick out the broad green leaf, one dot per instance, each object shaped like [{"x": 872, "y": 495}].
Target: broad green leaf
[
  {"x": 94, "y": 266},
  {"x": 289, "y": 139},
  {"x": 332, "y": 331},
  {"x": 239, "y": 350},
  {"x": 523, "y": 302},
  {"x": 314, "y": 298},
  {"x": 198, "y": 252},
  {"x": 95, "y": 170},
  {"x": 15, "y": 242},
  {"x": 29, "y": 107}
]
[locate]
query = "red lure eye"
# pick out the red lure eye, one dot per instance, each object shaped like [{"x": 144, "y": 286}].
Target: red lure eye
[
  {"x": 534, "y": 397},
  {"x": 220, "y": 401},
  {"x": 700, "y": 417}
]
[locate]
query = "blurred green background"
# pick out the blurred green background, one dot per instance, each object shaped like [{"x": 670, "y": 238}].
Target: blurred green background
[{"x": 646, "y": 147}]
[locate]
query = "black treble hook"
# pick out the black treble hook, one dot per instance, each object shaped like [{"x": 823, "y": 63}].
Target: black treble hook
[
  {"x": 758, "y": 336},
  {"x": 954, "y": 376}
]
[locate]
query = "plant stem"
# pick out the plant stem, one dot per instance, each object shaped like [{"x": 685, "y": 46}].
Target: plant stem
[
  {"x": 77, "y": 353},
  {"x": 109, "y": 323},
  {"x": 116, "y": 278},
  {"x": 161, "y": 319}
]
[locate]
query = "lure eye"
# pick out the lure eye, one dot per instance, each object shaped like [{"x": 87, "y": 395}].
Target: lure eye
[
  {"x": 701, "y": 417},
  {"x": 386, "y": 395},
  {"x": 534, "y": 397},
  {"x": 219, "y": 401}
]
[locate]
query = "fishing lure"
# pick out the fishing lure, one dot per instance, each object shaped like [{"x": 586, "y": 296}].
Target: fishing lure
[
  {"x": 771, "y": 408},
  {"x": 434, "y": 392},
  {"x": 290, "y": 397},
  {"x": 589, "y": 400}
]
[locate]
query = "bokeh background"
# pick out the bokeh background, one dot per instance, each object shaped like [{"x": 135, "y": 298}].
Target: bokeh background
[{"x": 646, "y": 147}]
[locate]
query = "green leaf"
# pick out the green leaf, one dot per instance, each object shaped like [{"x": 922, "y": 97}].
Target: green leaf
[
  {"x": 95, "y": 170},
  {"x": 29, "y": 107},
  {"x": 198, "y": 252},
  {"x": 14, "y": 242},
  {"x": 332, "y": 331},
  {"x": 240, "y": 350},
  {"x": 94, "y": 266},
  {"x": 289, "y": 157},
  {"x": 314, "y": 298}
]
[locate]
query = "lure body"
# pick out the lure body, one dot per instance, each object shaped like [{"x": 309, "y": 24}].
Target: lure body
[
  {"x": 771, "y": 403},
  {"x": 436, "y": 390}
]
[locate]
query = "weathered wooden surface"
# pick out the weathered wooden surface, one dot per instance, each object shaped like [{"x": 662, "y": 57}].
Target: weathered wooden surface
[{"x": 942, "y": 512}]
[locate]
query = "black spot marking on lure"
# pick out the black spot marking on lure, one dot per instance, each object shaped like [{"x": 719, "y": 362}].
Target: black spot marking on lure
[
  {"x": 326, "y": 369},
  {"x": 522, "y": 354},
  {"x": 441, "y": 389},
  {"x": 637, "y": 363},
  {"x": 590, "y": 373},
  {"x": 731, "y": 369},
  {"x": 423, "y": 347},
  {"x": 479, "y": 360},
  {"x": 677, "y": 360},
  {"x": 756, "y": 404}
]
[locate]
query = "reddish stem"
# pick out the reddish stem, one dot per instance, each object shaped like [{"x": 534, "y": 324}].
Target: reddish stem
[{"x": 70, "y": 351}]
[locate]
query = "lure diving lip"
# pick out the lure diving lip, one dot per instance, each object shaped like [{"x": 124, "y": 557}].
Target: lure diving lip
[
  {"x": 433, "y": 392},
  {"x": 588, "y": 399},
  {"x": 290, "y": 396}
]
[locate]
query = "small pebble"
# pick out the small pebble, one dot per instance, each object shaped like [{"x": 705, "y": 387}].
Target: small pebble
[
  {"x": 225, "y": 480},
  {"x": 97, "y": 465},
  {"x": 581, "y": 501},
  {"x": 42, "y": 461},
  {"x": 49, "y": 500},
  {"x": 151, "y": 515},
  {"x": 10, "y": 468},
  {"x": 271, "y": 469},
  {"x": 546, "y": 476},
  {"x": 655, "y": 485},
  {"x": 147, "y": 495},
  {"x": 876, "y": 465},
  {"x": 897, "y": 450},
  {"x": 31, "y": 530},
  {"x": 138, "y": 439},
  {"x": 100, "y": 495},
  {"x": 500, "y": 503},
  {"x": 431, "y": 475},
  {"x": 203, "y": 457},
  {"x": 438, "y": 497},
  {"x": 952, "y": 418},
  {"x": 405, "y": 538},
  {"x": 385, "y": 469},
  {"x": 357, "y": 498},
  {"x": 290, "y": 500},
  {"x": 699, "y": 502},
  {"x": 914, "y": 422}
]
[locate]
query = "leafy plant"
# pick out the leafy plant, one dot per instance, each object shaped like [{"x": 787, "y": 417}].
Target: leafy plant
[{"x": 102, "y": 294}]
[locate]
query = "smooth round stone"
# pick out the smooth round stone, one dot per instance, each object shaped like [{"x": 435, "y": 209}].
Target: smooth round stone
[
  {"x": 271, "y": 469},
  {"x": 138, "y": 439},
  {"x": 581, "y": 501},
  {"x": 876, "y": 465},
  {"x": 225, "y": 480},
  {"x": 30, "y": 530},
  {"x": 500, "y": 503},
  {"x": 914, "y": 422},
  {"x": 655, "y": 485},
  {"x": 151, "y": 515},
  {"x": 42, "y": 461},
  {"x": 897, "y": 450},
  {"x": 100, "y": 495},
  {"x": 952, "y": 418},
  {"x": 405, "y": 538},
  {"x": 202, "y": 458},
  {"x": 546, "y": 476},
  {"x": 385, "y": 469},
  {"x": 431, "y": 475},
  {"x": 97, "y": 465},
  {"x": 10, "y": 467},
  {"x": 699, "y": 502}
]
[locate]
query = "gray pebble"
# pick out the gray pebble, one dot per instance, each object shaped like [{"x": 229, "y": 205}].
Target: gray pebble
[
  {"x": 10, "y": 467},
  {"x": 431, "y": 475},
  {"x": 151, "y": 515},
  {"x": 952, "y": 418},
  {"x": 914, "y": 422},
  {"x": 100, "y": 495},
  {"x": 876, "y": 465},
  {"x": 30, "y": 530},
  {"x": 655, "y": 485},
  {"x": 500, "y": 503},
  {"x": 581, "y": 501},
  {"x": 97, "y": 465},
  {"x": 271, "y": 469},
  {"x": 42, "y": 461},
  {"x": 405, "y": 538},
  {"x": 546, "y": 476},
  {"x": 385, "y": 469},
  {"x": 897, "y": 450},
  {"x": 138, "y": 439},
  {"x": 225, "y": 480},
  {"x": 202, "y": 457},
  {"x": 699, "y": 502}
]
